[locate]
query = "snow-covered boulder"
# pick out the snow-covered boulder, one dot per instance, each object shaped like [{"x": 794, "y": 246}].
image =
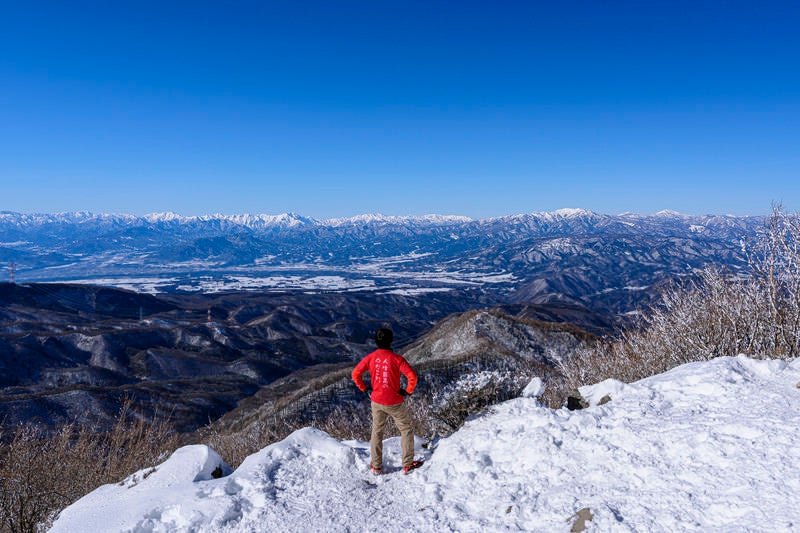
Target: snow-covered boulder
[
  {"x": 151, "y": 497},
  {"x": 602, "y": 392},
  {"x": 534, "y": 389}
]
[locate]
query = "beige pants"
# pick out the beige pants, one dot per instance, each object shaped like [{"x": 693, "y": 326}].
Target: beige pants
[{"x": 402, "y": 420}]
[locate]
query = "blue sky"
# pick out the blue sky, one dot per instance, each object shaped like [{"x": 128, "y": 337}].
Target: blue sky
[{"x": 341, "y": 108}]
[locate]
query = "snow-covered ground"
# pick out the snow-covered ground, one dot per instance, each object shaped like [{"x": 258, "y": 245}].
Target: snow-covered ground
[
  {"x": 363, "y": 277},
  {"x": 705, "y": 447}
]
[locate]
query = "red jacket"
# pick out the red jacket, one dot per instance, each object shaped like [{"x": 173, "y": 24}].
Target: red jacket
[{"x": 385, "y": 367}]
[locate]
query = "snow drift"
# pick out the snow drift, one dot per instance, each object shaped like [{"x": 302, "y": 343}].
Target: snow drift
[{"x": 709, "y": 446}]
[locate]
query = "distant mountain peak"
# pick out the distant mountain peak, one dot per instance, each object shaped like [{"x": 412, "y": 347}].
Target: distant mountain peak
[
  {"x": 670, "y": 213},
  {"x": 166, "y": 216},
  {"x": 570, "y": 212}
]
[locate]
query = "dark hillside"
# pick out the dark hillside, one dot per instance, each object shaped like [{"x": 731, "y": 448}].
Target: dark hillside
[{"x": 76, "y": 351}]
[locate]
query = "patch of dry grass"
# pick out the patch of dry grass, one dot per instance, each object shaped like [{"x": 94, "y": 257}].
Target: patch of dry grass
[{"x": 41, "y": 474}]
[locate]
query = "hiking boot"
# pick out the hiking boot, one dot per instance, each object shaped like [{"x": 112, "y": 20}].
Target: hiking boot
[
  {"x": 409, "y": 467},
  {"x": 375, "y": 471}
]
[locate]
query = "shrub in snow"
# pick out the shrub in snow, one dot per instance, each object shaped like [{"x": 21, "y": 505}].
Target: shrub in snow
[
  {"x": 41, "y": 474},
  {"x": 471, "y": 393}
]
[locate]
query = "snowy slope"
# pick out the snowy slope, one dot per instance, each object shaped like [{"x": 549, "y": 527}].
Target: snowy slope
[{"x": 705, "y": 447}]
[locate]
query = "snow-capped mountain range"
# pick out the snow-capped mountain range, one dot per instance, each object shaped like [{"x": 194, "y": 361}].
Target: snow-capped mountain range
[
  {"x": 569, "y": 254},
  {"x": 256, "y": 222},
  {"x": 253, "y": 222}
]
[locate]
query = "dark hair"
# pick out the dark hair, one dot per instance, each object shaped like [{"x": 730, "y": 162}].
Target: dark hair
[{"x": 383, "y": 338}]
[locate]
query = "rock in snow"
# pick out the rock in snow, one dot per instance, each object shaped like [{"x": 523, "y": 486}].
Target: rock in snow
[{"x": 710, "y": 446}]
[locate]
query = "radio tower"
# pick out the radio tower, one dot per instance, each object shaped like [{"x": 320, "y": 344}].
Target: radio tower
[
  {"x": 208, "y": 317},
  {"x": 11, "y": 272}
]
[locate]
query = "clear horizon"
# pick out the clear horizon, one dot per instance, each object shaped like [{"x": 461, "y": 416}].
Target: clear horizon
[{"x": 453, "y": 108}]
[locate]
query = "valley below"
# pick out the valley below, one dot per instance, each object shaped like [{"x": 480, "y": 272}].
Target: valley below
[
  {"x": 77, "y": 352},
  {"x": 225, "y": 320}
]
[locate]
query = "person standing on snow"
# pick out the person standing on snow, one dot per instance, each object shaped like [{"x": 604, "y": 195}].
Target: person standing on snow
[{"x": 384, "y": 367}]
